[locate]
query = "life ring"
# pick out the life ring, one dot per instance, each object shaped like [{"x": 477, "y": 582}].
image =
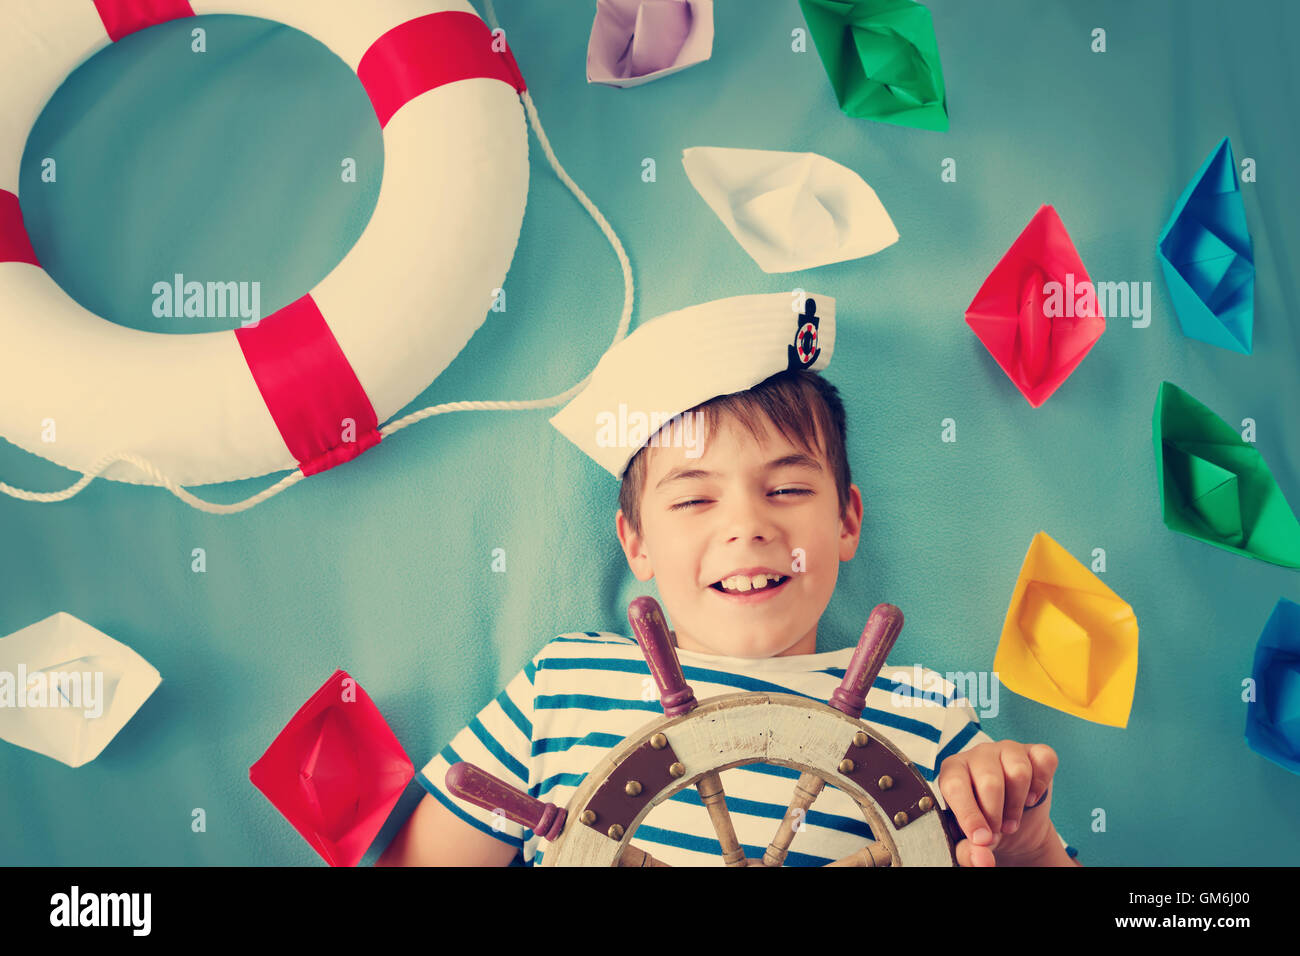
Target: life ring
[{"x": 222, "y": 406}]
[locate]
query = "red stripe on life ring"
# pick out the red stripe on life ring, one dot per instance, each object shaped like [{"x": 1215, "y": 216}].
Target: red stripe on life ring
[
  {"x": 15, "y": 245},
  {"x": 124, "y": 17},
  {"x": 430, "y": 51},
  {"x": 309, "y": 386}
]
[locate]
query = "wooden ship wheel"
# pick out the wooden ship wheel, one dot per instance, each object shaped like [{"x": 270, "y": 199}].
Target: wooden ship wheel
[{"x": 693, "y": 742}]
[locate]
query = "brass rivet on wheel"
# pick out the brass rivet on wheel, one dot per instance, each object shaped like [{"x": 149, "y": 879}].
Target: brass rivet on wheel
[
  {"x": 926, "y": 804},
  {"x": 616, "y": 832},
  {"x": 658, "y": 741},
  {"x": 846, "y": 765},
  {"x": 588, "y": 816},
  {"x": 860, "y": 739},
  {"x": 885, "y": 782},
  {"x": 677, "y": 770},
  {"x": 900, "y": 819},
  {"x": 632, "y": 788}
]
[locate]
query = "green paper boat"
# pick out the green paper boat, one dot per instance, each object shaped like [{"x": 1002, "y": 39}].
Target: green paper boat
[
  {"x": 882, "y": 59},
  {"x": 1215, "y": 487}
]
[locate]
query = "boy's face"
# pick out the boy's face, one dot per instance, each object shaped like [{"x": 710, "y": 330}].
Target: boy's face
[{"x": 746, "y": 513}]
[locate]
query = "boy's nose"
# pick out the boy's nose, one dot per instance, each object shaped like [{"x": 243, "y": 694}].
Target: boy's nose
[{"x": 746, "y": 520}]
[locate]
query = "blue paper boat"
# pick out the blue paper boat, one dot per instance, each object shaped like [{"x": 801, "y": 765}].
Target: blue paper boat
[
  {"x": 1273, "y": 717},
  {"x": 1207, "y": 257}
]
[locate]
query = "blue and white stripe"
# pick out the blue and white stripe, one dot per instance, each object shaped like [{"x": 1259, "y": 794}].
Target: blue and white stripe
[{"x": 583, "y": 693}]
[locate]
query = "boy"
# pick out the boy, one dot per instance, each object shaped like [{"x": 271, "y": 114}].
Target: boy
[{"x": 743, "y": 533}]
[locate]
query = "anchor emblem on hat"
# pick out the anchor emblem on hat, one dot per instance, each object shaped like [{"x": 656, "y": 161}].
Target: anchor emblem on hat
[{"x": 804, "y": 351}]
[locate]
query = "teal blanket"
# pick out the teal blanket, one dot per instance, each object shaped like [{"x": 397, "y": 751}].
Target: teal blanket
[{"x": 385, "y": 566}]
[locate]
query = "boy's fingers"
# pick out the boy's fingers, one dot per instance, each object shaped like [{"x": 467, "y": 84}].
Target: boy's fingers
[
  {"x": 955, "y": 786},
  {"x": 1019, "y": 775},
  {"x": 971, "y": 854},
  {"x": 986, "y": 774},
  {"x": 1044, "y": 761}
]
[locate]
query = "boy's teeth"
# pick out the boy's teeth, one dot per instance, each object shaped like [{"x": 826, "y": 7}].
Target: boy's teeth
[{"x": 744, "y": 582}]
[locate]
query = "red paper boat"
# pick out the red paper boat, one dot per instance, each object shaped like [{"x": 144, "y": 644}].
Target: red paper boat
[
  {"x": 336, "y": 771},
  {"x": 1037, "y": 312}
]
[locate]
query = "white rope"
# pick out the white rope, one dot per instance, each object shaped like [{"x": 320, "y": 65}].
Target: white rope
[
  {"x": 393, "y": 426},
  {"x": 160, "y": 478}
]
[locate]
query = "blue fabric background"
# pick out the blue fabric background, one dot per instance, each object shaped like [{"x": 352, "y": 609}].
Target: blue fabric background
[{"x": 382, "y": 566}]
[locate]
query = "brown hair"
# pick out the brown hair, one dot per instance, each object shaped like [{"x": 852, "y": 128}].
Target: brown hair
[{"x": 799, "y": 403}]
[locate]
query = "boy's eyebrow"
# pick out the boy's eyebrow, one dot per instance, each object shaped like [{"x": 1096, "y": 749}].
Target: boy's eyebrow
[{"x": 796, "y": 460}]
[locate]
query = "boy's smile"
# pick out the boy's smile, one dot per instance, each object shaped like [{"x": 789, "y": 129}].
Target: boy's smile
[
  {"x": 728, "y": 519},
  {"x": 742, "y": 589}
]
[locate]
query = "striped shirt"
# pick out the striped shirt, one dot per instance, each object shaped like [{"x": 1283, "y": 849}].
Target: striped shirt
[{"x": 583, "y": 693}]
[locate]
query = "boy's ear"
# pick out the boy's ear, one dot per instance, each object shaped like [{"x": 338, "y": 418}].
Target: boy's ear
[
  {"x": 633, "y": 547},
  {"x": 851, "y": 525}
]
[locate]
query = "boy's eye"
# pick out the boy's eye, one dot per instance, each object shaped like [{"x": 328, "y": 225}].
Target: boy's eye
[{"x": 779, "y": 491}]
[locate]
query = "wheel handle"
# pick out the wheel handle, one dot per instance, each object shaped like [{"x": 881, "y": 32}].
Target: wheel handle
[
  {"x": 877, "y": 640},
  {"x": 651, "y": 630},
  {"x": 482, "y": 789}
]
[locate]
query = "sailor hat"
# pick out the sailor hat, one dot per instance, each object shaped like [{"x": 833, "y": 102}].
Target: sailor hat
[{"x": 681, "y": 359}]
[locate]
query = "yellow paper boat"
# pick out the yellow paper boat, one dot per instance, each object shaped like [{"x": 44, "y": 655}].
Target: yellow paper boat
[{"x": 1069, "y": 641}]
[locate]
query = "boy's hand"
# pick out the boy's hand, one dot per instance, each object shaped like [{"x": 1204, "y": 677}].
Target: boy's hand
[{"x": 1000, "y": 793}]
